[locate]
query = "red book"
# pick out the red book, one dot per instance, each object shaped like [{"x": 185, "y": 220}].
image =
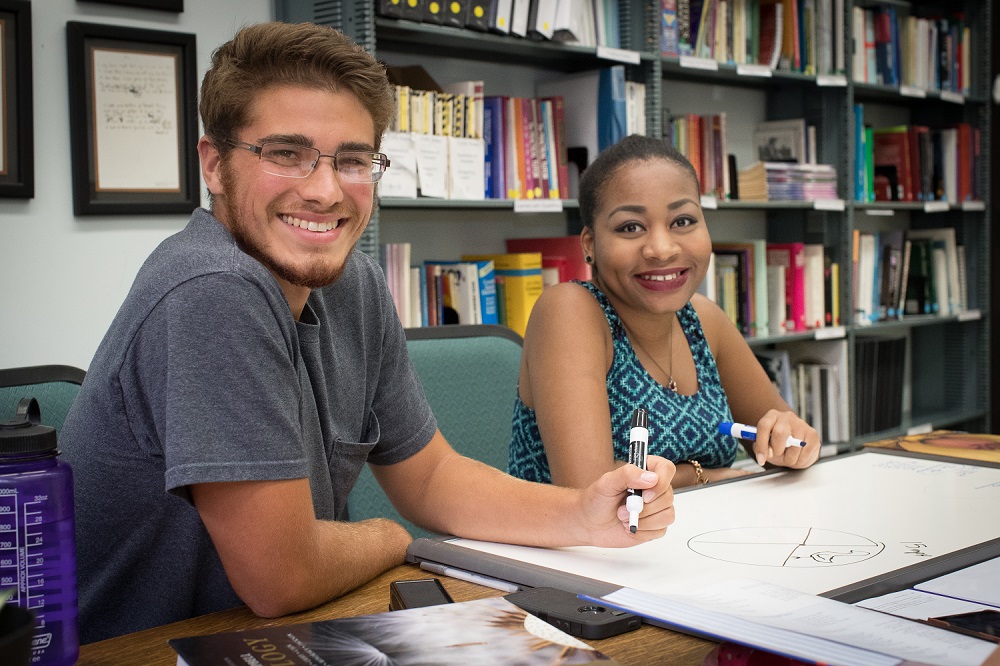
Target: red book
[
  {"x": 567, "y": 248},
  {"x": 792, "y": 257},
  {"x": 769, "y": 49},
  {"x": 964, "y": 163},
  {"x": 914, "y": 147},
  {"x": 891, "y": 154}
]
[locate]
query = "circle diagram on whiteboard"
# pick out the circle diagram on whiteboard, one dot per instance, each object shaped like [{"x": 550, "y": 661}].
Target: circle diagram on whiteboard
[{"x": 785, "y": 546}]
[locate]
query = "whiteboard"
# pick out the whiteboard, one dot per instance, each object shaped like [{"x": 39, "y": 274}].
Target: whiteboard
[{"x": 846, "y": 519}]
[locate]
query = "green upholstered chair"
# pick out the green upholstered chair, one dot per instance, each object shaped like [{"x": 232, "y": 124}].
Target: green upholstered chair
[
  {"x": 54, "y": 386},
  {"x": 469, "y": 373}
]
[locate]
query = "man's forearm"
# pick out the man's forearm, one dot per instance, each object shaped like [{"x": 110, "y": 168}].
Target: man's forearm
[
  {"x": 498, "y": 507},
  {"x": 342, "y": 557},
  {"x": 278, "y": 557}
]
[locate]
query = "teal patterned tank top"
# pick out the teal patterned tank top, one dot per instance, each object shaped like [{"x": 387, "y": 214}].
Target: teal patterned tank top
[{"x": 681, "y": 427}]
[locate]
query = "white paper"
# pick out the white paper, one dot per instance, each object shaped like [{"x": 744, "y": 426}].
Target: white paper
[
  {"x": 911, "y": 91},
  {"x": 727, "y": 627},
  {"x": 754, "y": 70},
  {"x": 918, "y": 605},
  {"x": 135, "y": 121},
  {"x": 432, "y": 165},
  {"x": 699, "y": 63},
  {"x": 618, "y": 55},
  {"x": 806, "y": 530},
  {"x": 979, "y": 583},
  {"x": 400, "y": 179},
  {"x": 538, "y": 205},
  {"x": 829, "y": 204},
  {"x": 466, "y": 169},
  {"x": 831, "y": 80},
  {"x": 953, "y": 97},
  {"x": 817, "y": 617}
]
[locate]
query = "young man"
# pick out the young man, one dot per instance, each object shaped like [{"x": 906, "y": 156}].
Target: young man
[{"x": 257, "y": 364}]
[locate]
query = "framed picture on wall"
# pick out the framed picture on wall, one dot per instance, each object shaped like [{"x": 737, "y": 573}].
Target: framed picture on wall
[
  {"x": 133, "y": 120},
  {"x": 166, "y": 5},
  {"x": 17, "y": 165}
]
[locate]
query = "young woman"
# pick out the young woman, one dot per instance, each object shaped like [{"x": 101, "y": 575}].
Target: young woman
[{"x": 638, "y": 335}]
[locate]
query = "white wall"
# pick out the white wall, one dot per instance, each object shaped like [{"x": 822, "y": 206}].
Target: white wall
[{"x": 62, "y": 278}]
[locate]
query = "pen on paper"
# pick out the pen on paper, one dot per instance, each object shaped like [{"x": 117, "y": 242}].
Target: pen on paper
[
  {"x": 469, "y": 577},
  {"x": 750, "y": 432},
  {"x": 638, "y": 447}
]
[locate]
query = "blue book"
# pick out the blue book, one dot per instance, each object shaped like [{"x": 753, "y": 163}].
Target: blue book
[
  {"x": 611, "y": 120},
  {"x": 423, "y": 297},
  {"x": 487, "y": 291},
  {"x": 487, "y": 151},
  {"x": 493, "y": 135},
  {"x": 897, "y": 62},
  {"x": 859, "y": 153}
]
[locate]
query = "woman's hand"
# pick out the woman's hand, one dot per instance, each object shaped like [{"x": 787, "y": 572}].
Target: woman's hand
[{"x": 773, "y": 429}]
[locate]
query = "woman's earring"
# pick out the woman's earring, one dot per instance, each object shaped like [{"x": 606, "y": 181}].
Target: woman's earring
[{"x": 589, "y": 259}]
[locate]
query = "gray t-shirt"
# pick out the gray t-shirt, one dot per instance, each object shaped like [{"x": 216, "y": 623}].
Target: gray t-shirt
[{"x": 205, "y": 376}]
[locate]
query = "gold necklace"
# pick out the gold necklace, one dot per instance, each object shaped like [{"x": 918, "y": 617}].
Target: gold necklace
[{"x": 671, "y": 385}]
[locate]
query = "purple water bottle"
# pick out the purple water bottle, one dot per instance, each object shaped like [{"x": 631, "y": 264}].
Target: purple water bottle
[{"x": 37, "y": 542}]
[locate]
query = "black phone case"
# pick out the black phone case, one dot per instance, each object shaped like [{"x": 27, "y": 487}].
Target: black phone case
[
  {"x": 573, "y": 615},
  {"x": 417, "y": 593}
]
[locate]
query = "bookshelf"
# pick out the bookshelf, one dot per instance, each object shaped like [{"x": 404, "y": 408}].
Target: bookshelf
[{"x": 946, "y": 381}]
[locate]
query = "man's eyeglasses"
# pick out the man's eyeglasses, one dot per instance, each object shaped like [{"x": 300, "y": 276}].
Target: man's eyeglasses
[{"x": 292, "y": 160}]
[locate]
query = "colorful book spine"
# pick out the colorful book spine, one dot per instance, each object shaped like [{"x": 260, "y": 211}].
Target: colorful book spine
[
  {"x": 792, "y": 257},
  {"x": 519, "y": 284},
  {"x": 668, "y": 28}
]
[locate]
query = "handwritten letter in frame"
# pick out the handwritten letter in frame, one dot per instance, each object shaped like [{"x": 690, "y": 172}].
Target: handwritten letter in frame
[{"x": 133, "y": 120}]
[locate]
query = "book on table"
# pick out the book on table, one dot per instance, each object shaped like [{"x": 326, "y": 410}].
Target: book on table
[{"x": 472, "y": 632}]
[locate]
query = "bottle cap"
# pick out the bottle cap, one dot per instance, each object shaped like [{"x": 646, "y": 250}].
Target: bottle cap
[{"x": 25, "y": 433}]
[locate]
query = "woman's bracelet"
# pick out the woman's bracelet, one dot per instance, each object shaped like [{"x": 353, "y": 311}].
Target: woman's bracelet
[{"x": 699, "y": 473}]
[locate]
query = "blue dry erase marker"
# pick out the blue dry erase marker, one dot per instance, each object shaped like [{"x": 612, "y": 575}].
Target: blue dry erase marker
[
  {"x": 750, "y": 432},
  {"x": 638, "y": 447}
]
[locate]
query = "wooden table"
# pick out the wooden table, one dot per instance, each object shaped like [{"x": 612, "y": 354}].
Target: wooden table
[{"x": 647, "y": 645}]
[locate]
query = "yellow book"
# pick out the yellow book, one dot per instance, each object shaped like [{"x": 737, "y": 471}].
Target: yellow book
[
  {"x": 519, "y": 284},
  {"x": 402, "y": 109}
]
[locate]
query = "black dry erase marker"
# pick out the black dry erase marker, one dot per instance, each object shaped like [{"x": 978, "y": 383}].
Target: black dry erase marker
[{"x": 638, "y": 447}]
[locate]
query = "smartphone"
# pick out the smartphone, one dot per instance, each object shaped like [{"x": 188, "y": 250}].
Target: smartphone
[
  {"x": 573, "y": 615},
  {"x": 983, "y": 624},
  {"x": 417, "y": 593}
]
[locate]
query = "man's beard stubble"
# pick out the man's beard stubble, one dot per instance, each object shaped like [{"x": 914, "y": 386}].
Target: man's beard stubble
[{"x": 313, "y": 277}]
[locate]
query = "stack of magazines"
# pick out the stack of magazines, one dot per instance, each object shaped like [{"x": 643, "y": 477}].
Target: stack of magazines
[{"x": 787, "y": 181}]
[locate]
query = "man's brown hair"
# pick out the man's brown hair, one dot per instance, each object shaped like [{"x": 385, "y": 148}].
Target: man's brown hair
[{"x": 300, "y": 54}]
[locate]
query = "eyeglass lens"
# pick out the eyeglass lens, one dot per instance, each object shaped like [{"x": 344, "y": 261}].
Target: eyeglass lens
[{"x": 295, "y": 161}]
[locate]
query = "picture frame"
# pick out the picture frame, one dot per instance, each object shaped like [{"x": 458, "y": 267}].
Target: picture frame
[
  {"x": 133, "y": 120},
  {"x": 17, "y": 162},
  {"x": 165, "y": 5},
  {"x": 782, "y": 141}
]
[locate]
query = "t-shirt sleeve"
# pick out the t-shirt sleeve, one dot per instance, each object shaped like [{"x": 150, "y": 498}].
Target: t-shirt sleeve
[{"x": 230, "y": 393}]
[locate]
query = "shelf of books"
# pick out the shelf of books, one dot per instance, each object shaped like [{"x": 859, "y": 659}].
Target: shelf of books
[
  {"x": 498, "y": 204},
  {"x": 841, "y": 146},
  {"x": 920, "y": 222}
]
